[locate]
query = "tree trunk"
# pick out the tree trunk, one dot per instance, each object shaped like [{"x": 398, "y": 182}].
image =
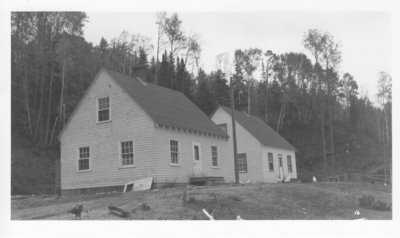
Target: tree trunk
[
  {"x": 158, "y": 53},
  {"x": 172, "y": 66},
  {"x": 387, "y": 138},
  {"x": 281, "y": 117},
  {"x": 322, "y": 117},
  {"x": 52, "y": 133},
  {"x": 248, "y": 97},
  {"x": 49, "y": 104},
  {"x": 62, "y": 92},
  {"x": 266, "y": 99},
  {"x": 39, "y": 126},
  {"x": 26, "y": 100},
  {"x": 332, "y": 142}
]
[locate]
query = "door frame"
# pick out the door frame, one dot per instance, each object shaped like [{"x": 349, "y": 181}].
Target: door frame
[
  {"x": 280, "y": 165},
  {"x": 194, "y": 158}
]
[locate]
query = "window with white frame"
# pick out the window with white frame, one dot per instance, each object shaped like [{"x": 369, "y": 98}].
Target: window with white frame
[
  {"x": 289, "y": 163},
  {"x": 174, "y": 152},
  {"x": 214, "y": 156},
  {"x": 127, "y": 156},
  {"x": 84, "y": 157},
  {"x": 270, "y": 162},
  {"x": 103, "y": 113},
  {"x": 242, "y": 163}
]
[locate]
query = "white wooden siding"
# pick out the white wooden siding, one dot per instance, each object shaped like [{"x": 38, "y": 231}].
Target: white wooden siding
[
  {"x": 246, "y": 143},
  {"x": 270, "y": 176},
  {"x": 128, "y": 121},
  {"x": 257, "y": 154},
  {"x": 182, "y": 172}
]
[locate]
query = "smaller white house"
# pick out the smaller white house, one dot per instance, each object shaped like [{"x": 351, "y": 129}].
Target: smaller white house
[{"x": 263, "y": 154}]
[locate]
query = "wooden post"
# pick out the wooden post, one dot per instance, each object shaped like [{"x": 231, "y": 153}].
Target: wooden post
[{"x": 234, "y": 133}]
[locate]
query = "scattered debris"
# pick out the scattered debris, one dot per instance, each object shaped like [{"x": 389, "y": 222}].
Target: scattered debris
[
  {"x": 208, "y": 214},
  {"x": 118, "y": 211},
  {"x": 192, "y": 199},
  {"x": 379, "y": 206},
  {"x": 366, "y": 201},
  {"x": 369, "y": 202},
  {"x": 138, "y": 185},
  {"x": 357, "y": 212},
  {"x": 144, "y": 207},
  {"x": 287, "y": 179},
  {"x": 238, "y": 218},
  {"x": 235, "y": 198},
  {"x": 245, "y": 182},
  {"x": 314, "y": 179},
  {"x": 77, "y": 210}
]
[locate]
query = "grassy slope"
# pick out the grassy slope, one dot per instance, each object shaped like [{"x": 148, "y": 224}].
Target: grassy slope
[
  {"x": 264, "y": 202},
  {"x": 32, "y": 168},
  {"x": 364, "y": 149}
]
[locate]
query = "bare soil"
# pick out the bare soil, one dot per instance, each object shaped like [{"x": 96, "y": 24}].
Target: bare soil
[{"x": 251, "y": 202}]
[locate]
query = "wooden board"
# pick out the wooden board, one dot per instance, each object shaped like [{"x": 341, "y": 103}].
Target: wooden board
[{"x": 139, "y": 185}]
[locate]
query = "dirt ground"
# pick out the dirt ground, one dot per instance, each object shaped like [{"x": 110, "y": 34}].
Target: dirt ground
[{"x": 251, "y": 202}]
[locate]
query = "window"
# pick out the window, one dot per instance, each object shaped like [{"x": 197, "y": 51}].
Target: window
[
  {"x": 127, "y": 153},
  {"x": 196, "y": 152},
  {"x": 84, "y": 156},
  {"x": 280, "y": 160},
  {"x": 289, "y": 164},
  {"x": 270, "y": 162},
  {"x": 214, "y": 156},
  {"x": 104, "y": 109},
  {"x": 174, "y": 151},
  {"x": 224, "y": 127},
  {"x": 242, "y": 163}
]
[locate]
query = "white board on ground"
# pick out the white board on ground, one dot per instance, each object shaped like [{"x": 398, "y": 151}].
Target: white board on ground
[{"x": 139, "y": 185}]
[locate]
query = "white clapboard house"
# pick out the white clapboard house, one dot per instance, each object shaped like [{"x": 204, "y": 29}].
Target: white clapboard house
[
  {"x": 125, "y": 129},
  {"x": 263, "y": 154}
]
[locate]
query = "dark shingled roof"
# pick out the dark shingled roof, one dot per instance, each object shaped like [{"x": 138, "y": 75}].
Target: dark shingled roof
[
  {"x": 260, "y": 130},
  {"x": 165, "y": 106}
]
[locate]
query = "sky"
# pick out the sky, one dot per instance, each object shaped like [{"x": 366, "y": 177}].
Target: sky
[{"x": 365, "y": 37}]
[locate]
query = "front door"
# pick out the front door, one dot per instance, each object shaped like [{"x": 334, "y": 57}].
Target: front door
[
  {"x": 196, "y": 159},
  {"x": 281, "y": 174}
]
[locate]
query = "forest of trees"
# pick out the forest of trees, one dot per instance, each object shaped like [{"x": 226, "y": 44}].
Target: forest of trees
[{"x": 319, "y": 111}]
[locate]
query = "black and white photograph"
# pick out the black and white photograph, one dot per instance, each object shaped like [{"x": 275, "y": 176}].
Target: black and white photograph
[{"x": 240, "y": 113}]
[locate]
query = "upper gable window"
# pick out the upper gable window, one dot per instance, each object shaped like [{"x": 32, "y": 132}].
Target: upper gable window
[
  {"x": 103, "y": 110},
  {"x": 223, "y": 127}
]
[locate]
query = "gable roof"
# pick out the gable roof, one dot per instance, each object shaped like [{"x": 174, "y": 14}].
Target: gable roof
[
  {"x": 165, "y": 106},
  {"x": 260, "y": 130}
]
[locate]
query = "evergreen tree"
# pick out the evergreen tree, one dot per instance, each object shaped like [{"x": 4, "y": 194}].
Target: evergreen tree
[
  {"x": 220, "y": 89},
  {"x": 203, "y": 96},
  {"x": 143, "y": 57},
  {"x": 164, "y": 72}
]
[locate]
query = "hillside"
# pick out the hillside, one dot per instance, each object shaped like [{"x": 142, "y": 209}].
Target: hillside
[
  {"x": 33, "y": 170},
  {"x": 32, "y": 167},
  {"x": 355, "y": 149}
]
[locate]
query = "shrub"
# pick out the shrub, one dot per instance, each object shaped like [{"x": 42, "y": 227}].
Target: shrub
[{"x": 366, "y": 201}]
